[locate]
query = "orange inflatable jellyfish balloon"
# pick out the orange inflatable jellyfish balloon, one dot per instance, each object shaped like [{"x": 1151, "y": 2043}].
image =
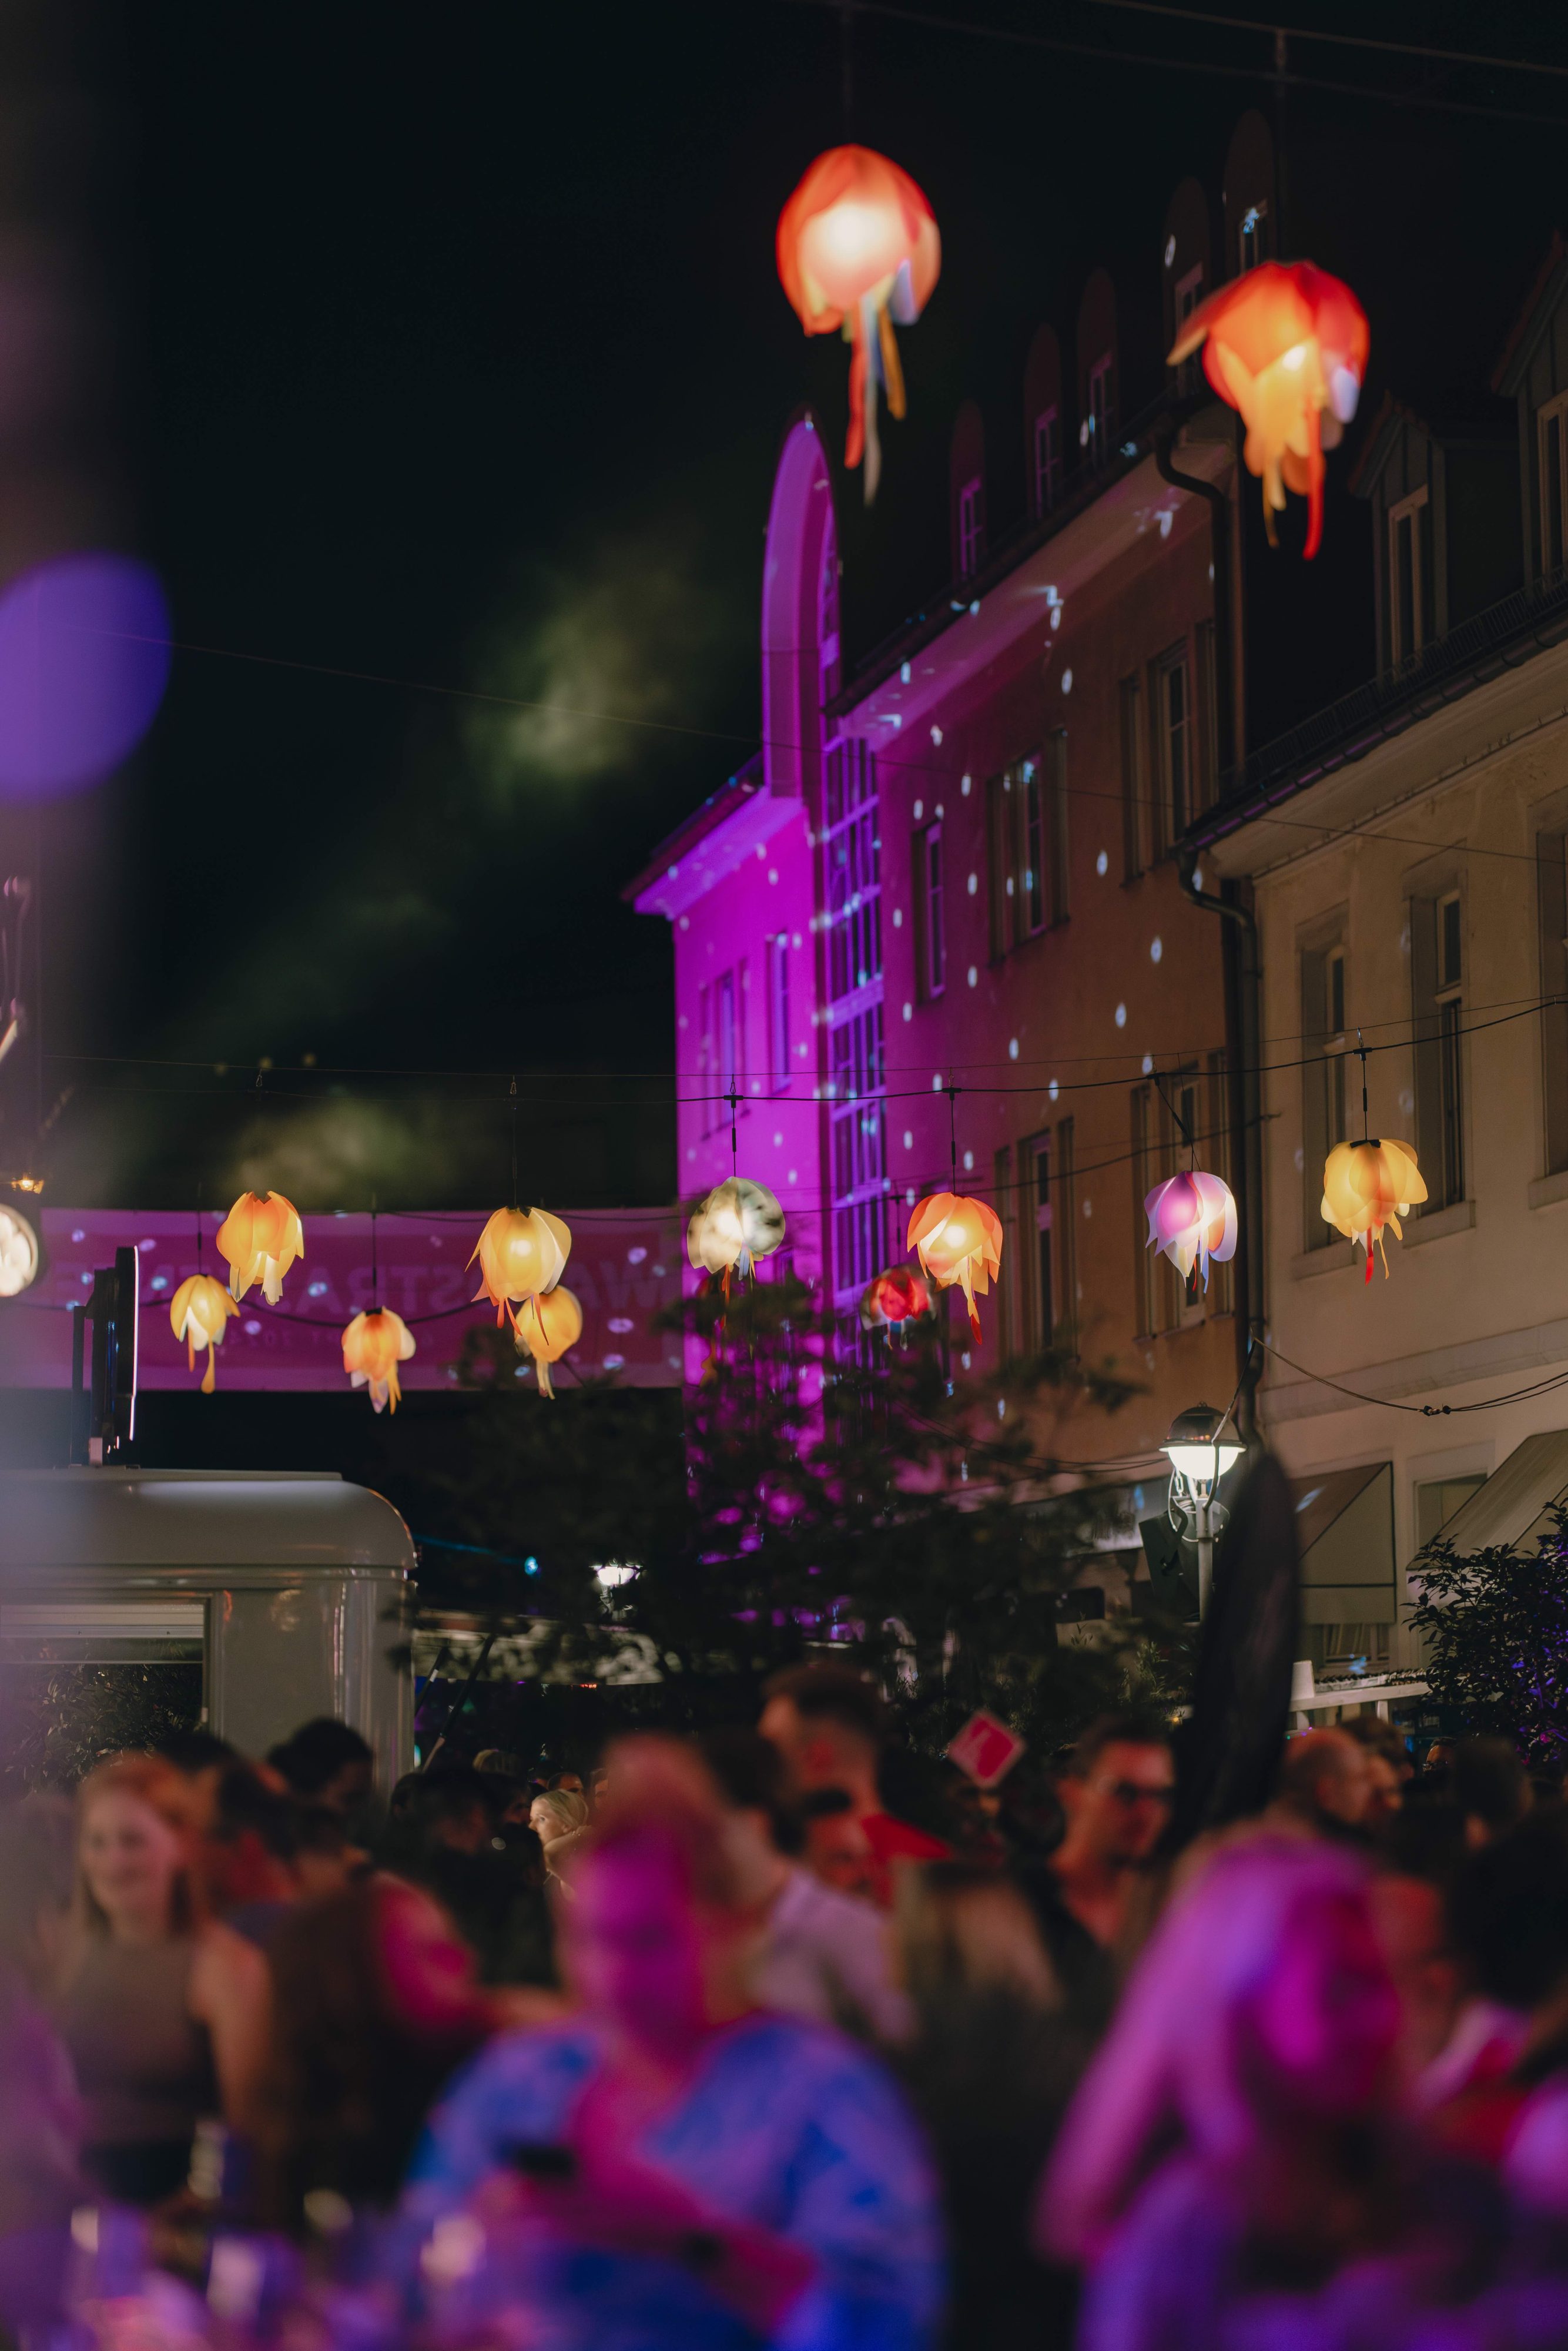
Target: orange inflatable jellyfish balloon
[
  {"x": 957, "y": 1239},
  {"x": 374, "y": 1344},
  {"x": 522, "y": 1252},
  {"x": 893, "y": 1298},
  {"x": 1369, "y": 1185},
  {"x": 857, "y": 249},
  {"x": 1286, "y": 346},
  {"x": 260, "y": 1237},
  {"x": 199, "y": 1312},
  {"x": 547, "y": 1326}
]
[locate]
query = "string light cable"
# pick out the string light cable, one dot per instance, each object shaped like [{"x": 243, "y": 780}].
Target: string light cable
[{"x": 1425, "y": 1411}]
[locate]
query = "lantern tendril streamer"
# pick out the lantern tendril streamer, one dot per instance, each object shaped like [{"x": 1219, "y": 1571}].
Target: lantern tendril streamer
[
  {"x": 738, "y": 1222},
  {"x": 1368, "y": 1187},
  {"x": 957, "y": 1239},
  {"x": 374, "y": 1344},
  {"x": 198, "y": 1313},
  {"x": 261, "y": 1237},
  {"x": 858, "y": 248},
  {"x": 547, "y": 1326},
  {"x": 1192, "y": 1218},
  {"x": 1286, "y": 346},
  {"x": 522, "y": 1253}
]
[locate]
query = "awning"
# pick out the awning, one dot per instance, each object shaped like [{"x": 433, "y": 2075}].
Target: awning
[
  {"x": 1344, "y": 1520},
  {"x": 1512, "y": 1508}
]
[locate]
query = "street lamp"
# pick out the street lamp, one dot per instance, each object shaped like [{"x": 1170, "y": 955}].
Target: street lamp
[{"x": 1202, "y": 1446}]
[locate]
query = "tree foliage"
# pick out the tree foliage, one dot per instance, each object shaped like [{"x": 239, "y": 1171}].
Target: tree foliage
[{"x": 1496, "y": 1629}]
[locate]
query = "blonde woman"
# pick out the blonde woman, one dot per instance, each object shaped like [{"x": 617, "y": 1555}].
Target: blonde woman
[
  {"x": 558, "y": 1818},
  {"x": 163, "y": 2011}
]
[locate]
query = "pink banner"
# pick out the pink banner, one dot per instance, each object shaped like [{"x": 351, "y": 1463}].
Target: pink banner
[{"x": 624, "y": 1268}]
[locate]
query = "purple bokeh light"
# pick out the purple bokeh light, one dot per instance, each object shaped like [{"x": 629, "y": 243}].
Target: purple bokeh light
[{"x": 83, "y": 660}]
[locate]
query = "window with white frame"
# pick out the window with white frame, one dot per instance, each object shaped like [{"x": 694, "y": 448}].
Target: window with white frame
[
  {"x": 1047, "y": 459},
  {"x": 1032, "y": 901},
  {"x": 850, "y": 849},
  {"x": 1188, "y": 295},
  {"x": 931, "y": 939},
  {"x": 971, "y": 527},
  {"x": 1101, "y": 417},
  {"x": 1406, "y": 578},
  {"x": 778, "y": 1013},
  {"x": 1551, "y": 430}
]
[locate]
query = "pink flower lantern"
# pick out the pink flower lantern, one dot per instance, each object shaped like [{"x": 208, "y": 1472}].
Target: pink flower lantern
[{"x": 1192, "y": 1218}]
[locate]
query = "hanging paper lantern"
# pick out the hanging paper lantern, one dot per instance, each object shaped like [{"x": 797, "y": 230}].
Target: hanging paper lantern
[
  {"x": 260, "y": 1237},
  {"x": 522, "y": 1252},
  {"x": 1192, "y": 1218},
  {"x": 547, "y": 1326},
  {"x": 1287, "y": 347},
  {"x": 858, "y": 248},
  {"x": 892, "y": 1298},
  {"x": 374, "y": 1344},
  {"x": 20, "y": 1253},
  {"x": 738, "y": 1222},
  {"x": 1369, "y": 1185},
  {"x": 957, "y": 1239},
  {"x": 199, "y": 1312}
]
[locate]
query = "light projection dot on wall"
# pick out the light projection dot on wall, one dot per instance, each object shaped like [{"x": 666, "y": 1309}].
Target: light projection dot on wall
[
  {"x": 1102, "y": 863},
  {"x": 935, "y": 1082},
  {"x": 1166, "y": 518},
  {"x": 909, "y": 1012},
  {"x": 1067, "y": 681},
  {"x": 1056, "y": 617},
  {"x": 1300, "y": 1159},
  {"x": 685, "y": 922},
  {"x": 1121, "y": 1016},
  {"x": 635, "y": 1256},
  {"x": 908, "y": 1201},
  {"x": 898, "y": 918},
  {"x": 614, "y": 1362},
  {"x": 903, "y": 672},
  {"x": 1156, "y": 949},
  {"x": 974, "y": 976},
  {"x": 1149, "y": 1065},
  {"x": 1012, "y": 1049},
  {"x": 975, "y": 610},
  {"x": 778, "y": 1143},
  {"x": 972, "y": 883},
  {"x": 908, "y": 1140},
  {"x": 1088, "y": 1208},
  {"x": 936, "y": 735},
  {"x": 969, "y": 1159},
  {"x": 965, "y": 786},
  {"x": 919, "y": 810},
  {"x": 794, "y": 1175},
  {"x": 1170, "y": 251},
  {"x": 1053, "y": 1090},
  {"x": 773, "y": 873},
  {"x": 1198, "y": 877}
]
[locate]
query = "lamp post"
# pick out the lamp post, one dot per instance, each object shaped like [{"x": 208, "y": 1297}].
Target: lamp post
[{"x": 1202, "y": 1446}]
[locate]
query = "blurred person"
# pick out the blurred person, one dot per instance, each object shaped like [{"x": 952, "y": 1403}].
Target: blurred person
[
  {"x": 327, "y": 1763},
  {"x": 40, "y": 2179},
  {"x": 558, "y": 1818},
  {"x": 1115, "y": 1790},
  {"x": 682, "y": 2169},
  {"x": 326, "y": 1857},
  {"x": 821, "y": 1954},
  {"x": 1325, "y": 1786},
  {"x": 834, "y": 1846},
  {"x": 448, "y": 1839},
  {"x": 1411, "y": 1918},
  {"x": 1381, "y": 1737},
  {"x": 828, "y": 1723},
  {"x": 989, "y": 2062},
  {"x": 202, "y": 1758},
  {"x": 1232, "y": 2168},
  {"x": 1510, "y": 1912},
  {"x": 375, "y": 2004},
  {"x": 1385, "y": 1796},
  {"x": 245, "y": 1859},
  {"x": 163, "y": 2010},
  {"x": 1490, "y": 1786}
]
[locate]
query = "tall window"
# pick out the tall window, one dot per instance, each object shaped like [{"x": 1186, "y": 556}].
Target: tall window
[
  {"x": 1215, "y": 1153},
  {"x": 1407, "y": 568},
  {"x": 1006, "y": 1210},
  {"x": 1552, "y": 426},
  {"x": 707, "y": 1064},
  {"x": 931, "y": 945},
  {"x": 729, "y": 1018},
  {"x": 1066, "y": 1325},
  {"x": 1134, "y": 785},
  {"x": 1188, "y": 295},
  {"x": 778, "y": 1013},
  {"x": 1323, "y": 1071},
  {"x": 852, "y": 862},
  {"x": 1026, "y": 829},
  {"x": 828, "y": 615},
  {"x": 1047, "y": 460},
  {"x": 971, "y": 527},
  {"x": 1206, "y": 762},
  {"x": 1032, "y": 902},
  {"x": 1552, "y": 872},
  {"x": 1102, "y": 419},
  {"x": 1252, "y": 238},
  {"x": 1054, "y": 763},
  {"x": 1173, "y": 686},
  {"x": 1436, "y": 978},
  {"x": 1001, "y": 858}
]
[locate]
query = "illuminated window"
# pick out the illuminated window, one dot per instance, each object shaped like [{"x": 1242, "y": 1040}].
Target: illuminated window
[
  {"x": 931, "y": 944},
  {"x": 971, "y": 527},
  {"x": 779, "y": 1014}
]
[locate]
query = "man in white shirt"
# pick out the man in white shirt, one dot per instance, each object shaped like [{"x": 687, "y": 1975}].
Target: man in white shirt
[{"x": 825, "y": 1955}]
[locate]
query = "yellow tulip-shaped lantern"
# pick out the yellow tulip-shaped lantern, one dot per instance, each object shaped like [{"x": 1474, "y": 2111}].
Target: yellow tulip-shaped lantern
[
  {"x": 522, "y": 1253},
  {"x": 737, "y": 1223},
  {"x": 547, "y": 1326},
  {"x": 260, "y": 1237},
  {"x": 1368, "y": 1187},
  {"x": 957, "y": 1239},
  {"x": 374, "y": 1344},
  {"x": 199, "y": 1312}
]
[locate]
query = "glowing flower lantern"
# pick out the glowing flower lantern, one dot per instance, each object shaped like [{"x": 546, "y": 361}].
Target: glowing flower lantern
[
  {"x": 260, "y": 1237},
  {"x": 1192, "y": 1218},
  {"x": 374, "y": 1344},
  {"x": 737, "y": 1223},
  {"x": 547, "y": 1326},
  {"x": 893, "y": 1298},
  {"x": 858, "y": 248},
  {"x": 522, "y": 1252},
  {"x": 957, "y": 1239},
  {"x": 1367, "y": 1187},
  {"x": 198, "y": 1313},
  {"x": 1286, "y": 346},
  {"x": 20, "y": 1253}
]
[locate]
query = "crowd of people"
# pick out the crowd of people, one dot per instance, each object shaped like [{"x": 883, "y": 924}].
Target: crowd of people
[{"x": 708, "y": 2046}]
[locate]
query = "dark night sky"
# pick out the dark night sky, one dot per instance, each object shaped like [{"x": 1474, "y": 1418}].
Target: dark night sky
[{"x": 456, "y": 354}]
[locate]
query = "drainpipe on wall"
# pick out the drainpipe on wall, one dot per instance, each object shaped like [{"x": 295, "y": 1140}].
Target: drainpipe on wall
[{"x": 1243, "y": 1026}]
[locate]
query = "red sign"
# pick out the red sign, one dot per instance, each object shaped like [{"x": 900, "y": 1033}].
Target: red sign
[
  {"x": 624, "y": 1268},
  {"x": 986, "y": 1749}
]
